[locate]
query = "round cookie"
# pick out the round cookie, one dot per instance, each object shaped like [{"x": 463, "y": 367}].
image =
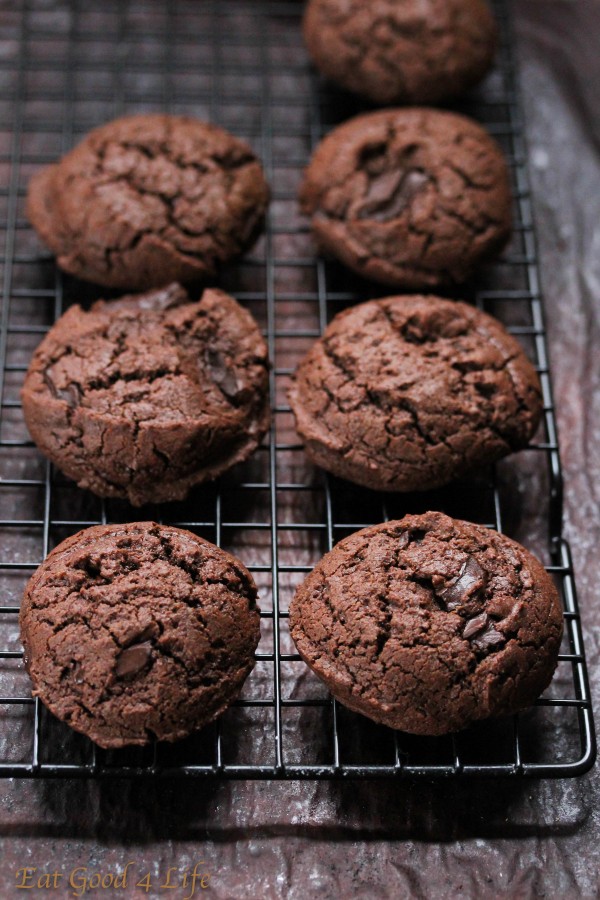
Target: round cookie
[
  {"x": 428, "y": 624},
  {"x": 402, "y": 51},
  {"x": 149, "y": 199},
  {"x": 144, "y": 397},
  {"x": 414, "y": 198},
  {"x": 409, "y": 393},
  {"x": 138, "y": 631}
]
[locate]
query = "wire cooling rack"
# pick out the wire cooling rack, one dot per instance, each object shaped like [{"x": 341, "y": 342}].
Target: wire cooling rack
[{"x": 68, "y": 66}]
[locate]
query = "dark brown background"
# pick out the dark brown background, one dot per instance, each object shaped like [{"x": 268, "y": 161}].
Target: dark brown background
[{"x": 304, "y": 840}]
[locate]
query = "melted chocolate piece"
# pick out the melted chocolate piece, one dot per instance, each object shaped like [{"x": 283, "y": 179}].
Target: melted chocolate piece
[
  {"x": 133, "y": 659},
  {"x": 222, "y": 374},
  {"x": 404, "y": 540},
  {"x": 471, "y": 579},
  {"x": 474, "y": 626},
  {"x": 71, "y": 394},
  {"x": 389, "y": 194},
  {"x": 489, "y": 639}
]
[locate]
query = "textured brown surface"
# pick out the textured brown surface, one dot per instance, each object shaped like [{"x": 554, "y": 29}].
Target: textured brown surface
[
  {"x": 414, "y": 51},
  {"x": 413, "y": 198},
  {"x": 407, "y": 393},
  {"x": 146, "y": 396},
  {"x": 145, "y": 200},
  {"x": 428, "y": 624},
  {"x": 469, "y": 840},
  {"x": 138, "y": 631}
]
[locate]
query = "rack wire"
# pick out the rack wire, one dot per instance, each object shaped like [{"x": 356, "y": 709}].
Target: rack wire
[{"x": 67, "y": 67}]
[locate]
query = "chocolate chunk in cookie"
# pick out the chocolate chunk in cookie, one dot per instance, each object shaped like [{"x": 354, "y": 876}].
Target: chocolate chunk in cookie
[
  {"x": 414, "y": 198},
  {"x": 409, "y": 393},
  {"x": 144, "y": 397},
  {"x": 402, "y": 51},
  {"x": 149, "y": 199},
  {"x": 429, "y": 624},
  {"x": 139, "y": 631}
]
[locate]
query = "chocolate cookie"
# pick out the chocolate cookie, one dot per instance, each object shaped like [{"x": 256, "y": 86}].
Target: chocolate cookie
[
  {"x": 408, "y": 393},
  {"x": 413, "y": 51},
  {"x": 146, "y": 396},
  {"x": 138, "y": 631},
  {"x": 149, "y": 199},
  {"x": 414, "y": 198},
  {"x": 428, "y": 624}
]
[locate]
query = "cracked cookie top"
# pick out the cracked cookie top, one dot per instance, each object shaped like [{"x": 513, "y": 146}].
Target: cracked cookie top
[
  {"x": 414, "y": 198},
  {"x": 138, "y": 631},
  {"x": 413, "y": 51},
  {"x": 428, "y": 624},
  {"x": 408, "y": 393},
  {"x": 145, "y": 396},
  {"x": 149, "y": 199}
]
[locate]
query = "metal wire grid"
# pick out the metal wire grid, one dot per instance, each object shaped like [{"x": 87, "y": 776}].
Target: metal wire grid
[{"x": 68, "y": 68}]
